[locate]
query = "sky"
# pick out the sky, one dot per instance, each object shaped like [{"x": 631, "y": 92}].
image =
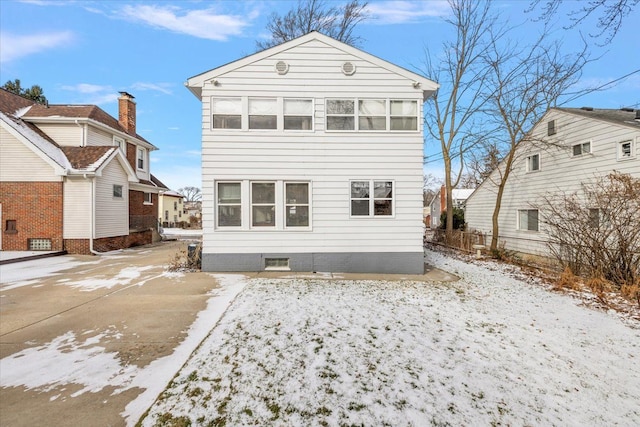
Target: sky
[{"x": 85, "y": 52}]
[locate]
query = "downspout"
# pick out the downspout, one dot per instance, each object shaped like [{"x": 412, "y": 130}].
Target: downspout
[{"x": 92, "y": 216}]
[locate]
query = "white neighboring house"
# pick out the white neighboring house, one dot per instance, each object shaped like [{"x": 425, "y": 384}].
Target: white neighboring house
[
  {"x": 312, "y": 161},
  {"x": 569, "y": 147},
  {"x": 439, "y": 203},
  {"x": 171, "y": 209}
]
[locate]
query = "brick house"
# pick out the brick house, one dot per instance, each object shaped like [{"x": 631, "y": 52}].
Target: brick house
[{"x": 74, "y": 178}]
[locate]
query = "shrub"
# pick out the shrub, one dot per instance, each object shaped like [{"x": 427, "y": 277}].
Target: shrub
[{"x": 458, "y": 219}]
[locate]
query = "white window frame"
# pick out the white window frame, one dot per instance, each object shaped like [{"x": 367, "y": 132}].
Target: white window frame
[
  {"x": 284, "y": 116},
  {"x": 581, "y": 147},
  {"x": 360, "y": 115},
  {"x": 529, "y": 163},
  {"x": 632, "y": 150},
  {"x": 246, "y": 206},
  {"x": 229, "y": 115},
  {"x": 148, "y": 199},
  {"x": 141, "y": 156},
  {"x": 357, "y": 115},
  {"x": 263, "y": 204},
  {"x": 275, "y": 115},
  {"x": 372, "y": 199},
  {"x": 120, "y": 143},
  {"x": 219, "y": 204},
  {"x": 521, "y": 226}
]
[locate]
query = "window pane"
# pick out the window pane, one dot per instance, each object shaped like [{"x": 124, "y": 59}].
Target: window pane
[
  {"x": 263, "y": 107},
  {"x": 297, "y": 194},
  {"x": 263, "y": 122},
  {"x": 625, "y": 149},
  {"x": 360, "y": 190},
  {"x": 226, "y": 106},
  {"x": 404, "y": 108},
  {"x": 383, "y": 189},
  {"x": 340, "y": 123},
  {"x": 586, "y": 147},
  {"x": 263, "y": 192},
  {"x": 532, "y": 222},
  {"x": 297, "y": 216},
  {"x": 297, "y": 122},
  {"x": 298, "y": 107},
  {"x": 373, "y": 107},
  {"x": 404, "y": 123},
  {"x": 360, "y": 207},
  {"x": 229, "y": 192},
  {"x": 382, "y": 207},
  {"x": 226, "y": 122},
  {"x": 229, "y": 216},
  {"x": 372, "y": 123},
  {"x": 577, "y": 150},
  {"x": 340, "y": 106},
  {"x": 535, "y": 162},
  {"x": 264, "y": 216}
]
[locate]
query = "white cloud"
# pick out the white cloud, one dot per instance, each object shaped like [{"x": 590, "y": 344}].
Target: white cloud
[
  {"x": 161, "y": 87},
  {"x": 14, "y": 46},
  {"x": 87, "y": 88},
  {"x": 406, "y": 12},
  {"x": 203, "y": 23},
  {"x": 173, "y": 128}
]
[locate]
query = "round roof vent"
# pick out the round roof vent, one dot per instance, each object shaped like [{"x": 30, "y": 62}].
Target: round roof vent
[
  {"x": 348, "y": 68},
  {"x": 282, "y": 67}
]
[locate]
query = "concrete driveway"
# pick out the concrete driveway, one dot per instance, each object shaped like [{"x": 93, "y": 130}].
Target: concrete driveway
[{"x": 73, "y": 343}]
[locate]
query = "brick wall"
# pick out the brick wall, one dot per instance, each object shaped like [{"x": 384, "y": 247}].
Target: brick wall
[
  {"x": 77, "y": 246},
  {"x": 131, "y": 155},
  {"x": 107, "y": 244},
  {"x": 138, "y": 207},
  {"x": 37, "y": 209}
]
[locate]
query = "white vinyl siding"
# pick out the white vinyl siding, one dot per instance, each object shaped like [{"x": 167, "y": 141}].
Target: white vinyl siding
[
  {"x": 65, "y": 135},
  {"x": 329, "y": 161},
  {"x": 560, "y": 171},
  {"x": 112, "y": 213},
  {"x": 77, "y": 208},
  {"x": 20, "y": 163},
  {"x": 98, "y": 137}
]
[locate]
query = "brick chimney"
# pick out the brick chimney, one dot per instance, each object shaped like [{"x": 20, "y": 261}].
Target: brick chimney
[{"x": 127, "y": 112}]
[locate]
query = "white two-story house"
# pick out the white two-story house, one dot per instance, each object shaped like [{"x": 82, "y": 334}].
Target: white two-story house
[
  {"x": 567, "y": 148},
  {"x": 312, "y": 161}
]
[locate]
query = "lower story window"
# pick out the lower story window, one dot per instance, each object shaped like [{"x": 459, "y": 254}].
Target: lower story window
[
  {"x": 148, "y": 198},
  {"x": 297, "y": 204},
  {"x": 229, "y": 204},
  {"x": 528, "y": 219},
  {"x": 10, "y": 226},
  {"x": 263, "y": 204},
  {"x": 371, "y": 198}
]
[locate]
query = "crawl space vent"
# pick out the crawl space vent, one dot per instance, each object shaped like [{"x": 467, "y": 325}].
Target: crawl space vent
[
  {"x": 348, "y": 68},
  {"x": 282, "y": 67}
]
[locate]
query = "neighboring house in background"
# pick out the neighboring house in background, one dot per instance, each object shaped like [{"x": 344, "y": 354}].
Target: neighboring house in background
[
  {"x": 171, "y": 209},
  {"x": 312, "y": 161},
  {"x": 439, "y": 203},
  {"x": 567, "y": 148},
  {"x": 193, "y": 212},
  {"x": 73, "y": 178}
]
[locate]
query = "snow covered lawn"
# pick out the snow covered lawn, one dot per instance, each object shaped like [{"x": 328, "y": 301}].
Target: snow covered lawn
[{"x": 486, "y": 350}]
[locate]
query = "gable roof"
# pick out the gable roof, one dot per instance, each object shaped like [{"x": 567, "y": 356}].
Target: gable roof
[
  {"x": 157, "y": 182},
  {"x": 86, "y": 158},
  {"x": 195, "y": 83},
  {"x": 625, "y": 117}
]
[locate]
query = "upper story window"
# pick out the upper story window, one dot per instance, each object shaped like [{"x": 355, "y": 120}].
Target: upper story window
[
  {"x": 142, "y": 158},
  {"x": 371, "y": 115},
  {"x": 404, "y": 115},
  {"x": 580, "y": 149},
  {"x": 120, "y": 143},
  {"x": 533, "y": 163},
  {"x": 368, "y": 203},
  {"x": 298, "y": 114},
  {"x": 117, "y": 191},
  {"x": 626, "y": 150},
  {"x": 263, "y": 113},
  {"x": 340, "y": 114},
  {"x": 175, "y": 206},
  {"x": 227, "y": 113},
  {"x": 551, "y": 127}
]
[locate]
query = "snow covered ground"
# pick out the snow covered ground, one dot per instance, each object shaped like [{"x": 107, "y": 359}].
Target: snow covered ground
[{"x": 490, "y": 349}]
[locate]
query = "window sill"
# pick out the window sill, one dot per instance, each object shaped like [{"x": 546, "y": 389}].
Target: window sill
[
  {"x": 148, "y": 203},
  {"x": 10, "y": 231}
]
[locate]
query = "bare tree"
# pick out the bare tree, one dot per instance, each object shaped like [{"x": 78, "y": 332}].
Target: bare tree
[
  {"x": 610, "y": 13},
  {"x": 525, "y": 82},
  {"x": 430, "y": 188},
  {"x": 596, "y": 232},
  {"x": 462, "y": 73},
  {"x": 481, "y": 162},
  {"x": 191, "y": 194},
  {"x": 316, "y": 15}
]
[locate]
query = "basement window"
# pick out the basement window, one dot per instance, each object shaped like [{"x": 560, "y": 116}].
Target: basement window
[
  {"x": 276, "y": 264},
  {"x": 39, "y": 244}
]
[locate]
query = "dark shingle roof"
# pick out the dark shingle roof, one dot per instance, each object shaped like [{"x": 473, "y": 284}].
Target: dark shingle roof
[
  {"x": 10, "y": 102},
  {"x": 624, "y": 117},
  {"x": 83, "y": 157},
  {"x": 157, "y": 182}
]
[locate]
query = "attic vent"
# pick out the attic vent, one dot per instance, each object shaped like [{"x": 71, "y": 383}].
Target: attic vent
[
  {"x": 282, "y": 67},
  {"x": 348, "y": 68}
]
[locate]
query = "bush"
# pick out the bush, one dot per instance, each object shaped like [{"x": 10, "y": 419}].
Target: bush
[{"x": 458, "y": 219}]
